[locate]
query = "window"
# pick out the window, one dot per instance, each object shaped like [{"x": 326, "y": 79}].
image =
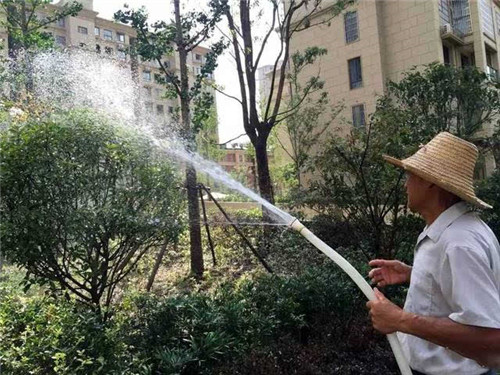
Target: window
[
  {"x": 97, "y": 31},
  {"x": 147, "y": 91},
  {"x": 149, "y": 106},
  {"x": 98, "y": 48},
  {"x": 159, "y": 110},
  {"x": 487, "y": 18},
  {"x": 108, "y": 50},
  {"x": 170, "y": 109},
  {"x": 231, "y": 158},
  {"x": 351, "y": 27},
  {"x": 120, "y": 37},
  {"x": 497, "y": 15},
  {"x": 465, "y": 60},
  {"x": 197, "y": 57},
  {"x": 446, "y": 55},
  {"x": 146, "y": 75},
  {"x": 61, "y": 22},
  {"x": 197, "y": 70},
  {"x": 83, "y": 30},
  {"x": 240, "y": 158},
  {"x": 358, "y": 115},
  {"x": 158, "y": 93},
  {"x": 355, "y": 77},
  {"x": 60, "y": 40},
  {"x": 107, "y": 34}
]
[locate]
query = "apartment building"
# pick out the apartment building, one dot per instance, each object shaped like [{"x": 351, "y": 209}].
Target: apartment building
[
  {"x": 113, "y": 40},
  {"x": 237, "y": 161},
  {"x": 377, "y": 41}
]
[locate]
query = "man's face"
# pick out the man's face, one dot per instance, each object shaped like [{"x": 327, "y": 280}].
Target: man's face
[{"x": 417, "y": 190}]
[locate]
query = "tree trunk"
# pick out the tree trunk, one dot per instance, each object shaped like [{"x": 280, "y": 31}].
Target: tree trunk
[
  {"x": 263, "y": 175},
  {"x": 266, "y": 191},
  {"x": 192, "y": 189}
]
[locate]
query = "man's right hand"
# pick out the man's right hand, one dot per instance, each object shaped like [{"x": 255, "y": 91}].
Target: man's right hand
[{"x": 389, "y": 272}]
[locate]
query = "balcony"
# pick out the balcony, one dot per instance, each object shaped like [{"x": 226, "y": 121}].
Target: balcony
[
  {"x": 455, "y": 20},
  {"x": 451, "y": 34}
]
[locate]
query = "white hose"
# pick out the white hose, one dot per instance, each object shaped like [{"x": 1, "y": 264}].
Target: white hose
[{"x": 360, "y": 282}]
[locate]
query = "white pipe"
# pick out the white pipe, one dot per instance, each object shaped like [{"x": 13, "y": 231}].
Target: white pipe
[{"x": 360, "y": 282}]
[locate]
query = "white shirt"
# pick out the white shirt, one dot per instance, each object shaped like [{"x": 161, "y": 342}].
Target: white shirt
[{"x": 456, "y": 274}]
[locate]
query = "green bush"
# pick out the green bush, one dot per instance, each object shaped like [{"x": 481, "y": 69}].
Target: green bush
[
  {"x": 190, "y": 334},
  {"x": 39, "y": 335},
  {"x": 82, "y": 201},
  {"x": 489, "y": 191},
  {"x": 186, "y": 334}
]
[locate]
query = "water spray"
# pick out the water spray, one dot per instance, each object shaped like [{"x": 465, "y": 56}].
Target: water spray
[
  {"x": 360, "y": 282},
  {"x": 85, "y": 80}
]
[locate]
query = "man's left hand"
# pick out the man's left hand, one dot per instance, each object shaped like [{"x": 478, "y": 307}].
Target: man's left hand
[{"x": 386, "y": 316}]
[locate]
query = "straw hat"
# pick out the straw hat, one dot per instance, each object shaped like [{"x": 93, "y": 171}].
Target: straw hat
[{"x": 447, "y": 161}]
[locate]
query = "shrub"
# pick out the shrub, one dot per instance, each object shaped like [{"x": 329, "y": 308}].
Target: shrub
[
  {"x": 82, "y": 202},
  {"x": 42, "y": 336},
  {"x": 190, "y": 334},
  {"x": 489, "y": 190}
]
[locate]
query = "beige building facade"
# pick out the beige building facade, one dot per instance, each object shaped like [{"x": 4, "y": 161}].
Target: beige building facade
[{"x": 377, "y": 40}]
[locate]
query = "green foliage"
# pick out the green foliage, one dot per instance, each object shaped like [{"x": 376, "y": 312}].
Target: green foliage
[
  {"x": 82, "y": 202},
  {"x": 206, "y": 137},
  {"x": 190, "y": 334},
  {"x": 43, "y": 336},
  {"x": 489, "y": 191},
  {"x": 440, "y": 98},
  {"x": 358, "y": 188},
  {"x": 25, "y": 26},
  {"x": 157, "y": 41}
]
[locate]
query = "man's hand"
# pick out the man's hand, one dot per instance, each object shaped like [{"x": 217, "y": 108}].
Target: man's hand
[
  {"x": 386, "y": 316},
  {"x": 389, "y": 272}
]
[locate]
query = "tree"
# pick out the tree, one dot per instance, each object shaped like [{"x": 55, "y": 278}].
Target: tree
[
  {"x": 305, "y": 125},
  {"x": 441, "y": 98},
  {"x": 288, "y": 18},
  {"x": 183, "y": 35},
  {"x": 356, "y": 186},
  {"x": 25, "y": 27},
  {"x": 82, "y": 202}
]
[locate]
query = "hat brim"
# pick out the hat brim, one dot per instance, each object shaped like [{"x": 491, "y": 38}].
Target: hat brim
[
  {"x": 396, "y": 162},
  {"x": 471, "y": 199}
]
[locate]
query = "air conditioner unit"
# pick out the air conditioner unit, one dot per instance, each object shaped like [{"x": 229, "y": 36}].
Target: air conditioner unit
[{"x": 447, "y": 29}]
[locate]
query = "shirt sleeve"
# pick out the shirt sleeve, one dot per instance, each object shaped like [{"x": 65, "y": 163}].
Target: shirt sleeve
[{"x": 469, "y": 286}]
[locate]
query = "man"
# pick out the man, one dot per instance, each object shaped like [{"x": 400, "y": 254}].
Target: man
[{"x": 450, "y": 323}]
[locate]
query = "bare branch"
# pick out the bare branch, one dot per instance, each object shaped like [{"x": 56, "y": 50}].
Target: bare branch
[
  {"x": 225, "y": 94},
  {"x": 233, "y": 139},
  {"x": 271, "y": 29}
]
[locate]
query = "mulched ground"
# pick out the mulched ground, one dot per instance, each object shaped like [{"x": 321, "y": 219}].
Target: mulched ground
[{"x": 319, "y": 352}]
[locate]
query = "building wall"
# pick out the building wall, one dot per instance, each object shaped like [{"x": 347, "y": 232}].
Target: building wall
[
  {"x": 333, "y": 67},
  {"x": 409, "y": 34},
  {"x": 394, "y": 37}
]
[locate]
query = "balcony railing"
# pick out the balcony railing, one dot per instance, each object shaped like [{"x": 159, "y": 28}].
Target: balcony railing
[
  {"x": 456, "y": 17},
  {"x": 492, "y": 73}
]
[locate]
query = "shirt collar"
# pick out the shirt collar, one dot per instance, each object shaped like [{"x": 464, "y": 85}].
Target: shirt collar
[{"x": 443, "y": 221}]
